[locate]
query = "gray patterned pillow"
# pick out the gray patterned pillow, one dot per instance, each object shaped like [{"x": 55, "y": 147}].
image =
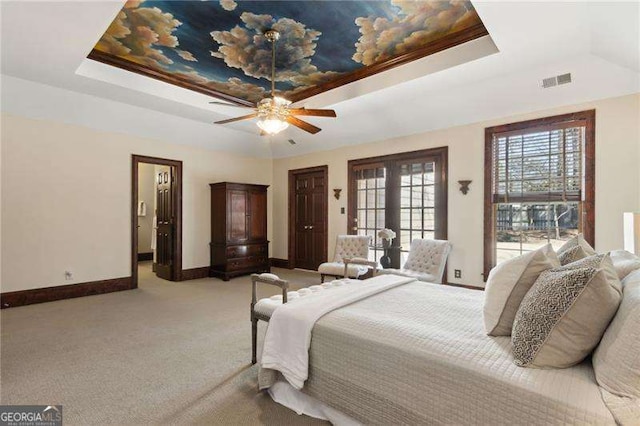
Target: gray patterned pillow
[
  {"x": 586, "y": 262},
  {"x": 565, "y": 313},
  {"x": 571, "y": 255}
]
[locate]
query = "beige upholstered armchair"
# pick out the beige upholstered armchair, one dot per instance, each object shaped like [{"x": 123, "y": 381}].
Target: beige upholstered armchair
[
  {"x": 426, "y": 262},
  {"x": 347, "y": 246}
]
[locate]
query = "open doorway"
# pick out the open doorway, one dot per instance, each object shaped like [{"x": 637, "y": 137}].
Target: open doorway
[{"x": 156, "y": 218}]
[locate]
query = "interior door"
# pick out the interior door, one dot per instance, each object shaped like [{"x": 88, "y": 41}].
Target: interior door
[
  {"x": 166, "y": 224},
  {"x": 310, "y": 220}
]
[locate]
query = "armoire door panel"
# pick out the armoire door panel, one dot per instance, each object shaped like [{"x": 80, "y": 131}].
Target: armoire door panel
[
  {"x": 237, "y": 216},
  {"x": 258, "y": 215}
]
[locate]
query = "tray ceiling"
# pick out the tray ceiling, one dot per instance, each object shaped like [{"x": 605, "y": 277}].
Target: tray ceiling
[{"x": 217, "y": 47}]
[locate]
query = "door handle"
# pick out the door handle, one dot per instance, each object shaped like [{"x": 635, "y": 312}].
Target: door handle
[{"x": 310, "y": 226}]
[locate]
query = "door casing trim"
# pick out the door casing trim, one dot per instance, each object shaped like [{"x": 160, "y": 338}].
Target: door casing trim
[
  {"x": 292, "y": 211},
  {"x": 177, "y": 206}
]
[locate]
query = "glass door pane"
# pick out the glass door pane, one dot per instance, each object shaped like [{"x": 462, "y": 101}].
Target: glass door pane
[
  {"x": 370, "y": 206},
  {"x": 417, "y": 203}
]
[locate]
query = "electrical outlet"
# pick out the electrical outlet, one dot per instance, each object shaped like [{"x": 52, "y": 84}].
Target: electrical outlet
[
  {"x": 341, "y": 210},
  {"x": 457, "y": 273},
  {"x": 68, "y": 275}
]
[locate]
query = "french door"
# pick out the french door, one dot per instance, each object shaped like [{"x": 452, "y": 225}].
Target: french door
[{"x": 404, "y": 192}]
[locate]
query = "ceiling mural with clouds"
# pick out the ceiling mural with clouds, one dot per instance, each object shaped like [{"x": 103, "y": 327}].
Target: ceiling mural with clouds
[{"x": 218, "y": 46}]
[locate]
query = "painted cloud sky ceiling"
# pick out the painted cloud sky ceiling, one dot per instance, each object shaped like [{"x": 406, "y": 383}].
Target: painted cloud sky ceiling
[{"x": 218, "y": 45}]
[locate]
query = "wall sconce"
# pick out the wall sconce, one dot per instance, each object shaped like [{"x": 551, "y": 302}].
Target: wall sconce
[
  {"x": 336, "y": 193},
  {"x": 464, "y": 186}
]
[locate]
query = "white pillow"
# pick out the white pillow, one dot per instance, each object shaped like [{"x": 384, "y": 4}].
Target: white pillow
[
  {"x": 578, "y": 240},
  {"x": 624, "y": 262},
  {"x": 507, "y": 285},
  {"x": 616, "y": 362}
]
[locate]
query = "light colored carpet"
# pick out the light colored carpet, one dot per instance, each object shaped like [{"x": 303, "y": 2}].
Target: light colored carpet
[{"x": 170, "y": 353}]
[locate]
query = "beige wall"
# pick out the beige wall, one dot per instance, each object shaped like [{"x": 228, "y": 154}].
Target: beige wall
[
  {"x": 146, "y": 193},
  {"x": 617, "y": 179},
  {"x": 66, "y": 200},
  {"x": 66, "y": 192}
]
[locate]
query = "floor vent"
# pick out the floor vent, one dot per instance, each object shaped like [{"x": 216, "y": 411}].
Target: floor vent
[{"x": 556, "y": 80}]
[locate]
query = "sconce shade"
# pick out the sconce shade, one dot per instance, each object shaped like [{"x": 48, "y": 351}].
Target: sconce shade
[
  {"x": 464, "y": 186},
  {"x": 632, "y": 232}
]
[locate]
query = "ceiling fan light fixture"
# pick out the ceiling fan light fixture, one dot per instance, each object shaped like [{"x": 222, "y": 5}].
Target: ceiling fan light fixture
[
  {"x": 272, "y": 126},
  {"x": 272, "y": 114}
]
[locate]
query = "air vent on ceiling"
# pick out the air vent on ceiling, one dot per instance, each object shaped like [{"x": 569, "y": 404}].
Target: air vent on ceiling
[
  {"x": 549, "y": 82},
  {"x": 564, "y": 78},
  {"x": 292, "y": 142},
  {"x": 556, "y": 80}
]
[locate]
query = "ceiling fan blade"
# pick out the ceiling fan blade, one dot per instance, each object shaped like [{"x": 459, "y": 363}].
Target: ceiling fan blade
[
  {"x": 229, "y": 105},
  {"x": 307, "y": 127},
  {"x": 231, "y": 120},
  {"x": 313, "y": 112}
]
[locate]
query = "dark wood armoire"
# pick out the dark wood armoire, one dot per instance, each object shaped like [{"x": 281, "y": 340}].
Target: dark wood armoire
[{"x": 238, "y": 229}]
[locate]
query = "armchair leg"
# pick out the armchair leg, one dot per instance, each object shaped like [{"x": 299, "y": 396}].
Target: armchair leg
[
  {"x": 322, "y": 278},
  {"x": 254, "y": 339}
]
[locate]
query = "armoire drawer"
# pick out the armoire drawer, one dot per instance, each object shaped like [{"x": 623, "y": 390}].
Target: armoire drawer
[
  {"x": 246, "y": 250},
  {"x": 246, "y": 263}
]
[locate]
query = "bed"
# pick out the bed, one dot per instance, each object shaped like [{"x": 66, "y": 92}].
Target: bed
[{"x": 417, "y": 353}]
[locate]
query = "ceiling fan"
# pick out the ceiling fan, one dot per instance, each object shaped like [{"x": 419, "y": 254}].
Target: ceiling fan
[{"x": 273, "y": 113}]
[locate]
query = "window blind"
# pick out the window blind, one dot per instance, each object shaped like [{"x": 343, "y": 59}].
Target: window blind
[{"x": 541, "y": 164}]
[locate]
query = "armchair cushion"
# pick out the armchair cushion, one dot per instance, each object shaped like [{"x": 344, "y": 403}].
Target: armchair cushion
[{"x": 336, "y": 269}]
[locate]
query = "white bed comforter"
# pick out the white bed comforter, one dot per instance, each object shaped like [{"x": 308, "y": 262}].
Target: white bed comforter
[
  {"x": 286, "y": 344},
  {"x": 418, "y": 354}
]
